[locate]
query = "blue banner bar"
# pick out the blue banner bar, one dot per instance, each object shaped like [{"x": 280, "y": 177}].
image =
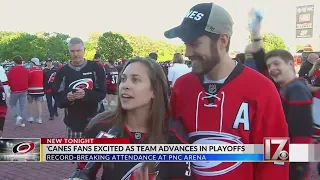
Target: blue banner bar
[{"x": 155, "y": 157}]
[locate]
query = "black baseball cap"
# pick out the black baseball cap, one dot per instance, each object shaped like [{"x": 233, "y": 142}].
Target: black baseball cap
[{"x": 201, "y": 19}]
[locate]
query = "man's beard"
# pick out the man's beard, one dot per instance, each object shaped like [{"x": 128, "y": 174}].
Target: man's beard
[{"x": 204, "y": 64}]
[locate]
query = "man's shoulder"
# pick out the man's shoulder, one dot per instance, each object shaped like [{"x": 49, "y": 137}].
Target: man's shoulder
[
  {"x": 97, "y": 125},
  {"x": 93, "y": 64},
  {"x": 186, "y": 79},
  {"x": 252, "y": 85},
  {"x": 297, "y": 91},
  {"x": 22, "y": 68},
  {"x": 112, "y": 70},
  {"x": 33, "y": 68},
  {"x": 252, "y": 76},
  {"x": 64, "y": 66}
]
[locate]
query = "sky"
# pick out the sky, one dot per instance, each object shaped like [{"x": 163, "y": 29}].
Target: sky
[{"x": 147, "y": 17}]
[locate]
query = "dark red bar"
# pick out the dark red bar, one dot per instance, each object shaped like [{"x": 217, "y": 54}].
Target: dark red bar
[{"x": 85, "y": 141}]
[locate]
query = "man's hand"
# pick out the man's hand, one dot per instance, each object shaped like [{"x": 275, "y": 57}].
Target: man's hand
[
  {"x": 257, "y": 31},
  {"x": 71, "y": 96},
  {"x": 79, "y": 94}
]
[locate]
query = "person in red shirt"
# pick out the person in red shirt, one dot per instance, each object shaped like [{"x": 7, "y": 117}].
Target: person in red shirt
[
  {"x": 35, "y": 89},
  {"x": 217, "y": 102},
  {"x": 18, "y": 82}
]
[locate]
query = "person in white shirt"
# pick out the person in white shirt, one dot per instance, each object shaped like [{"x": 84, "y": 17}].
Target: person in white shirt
[
  {"x": 4, "y": 80},
  {"x": 178, "y": 69}
]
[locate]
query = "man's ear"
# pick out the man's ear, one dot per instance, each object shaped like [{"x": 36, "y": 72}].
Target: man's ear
[
  {"x": 224, "y": 39},
  {"x": 291, "y": 63}
]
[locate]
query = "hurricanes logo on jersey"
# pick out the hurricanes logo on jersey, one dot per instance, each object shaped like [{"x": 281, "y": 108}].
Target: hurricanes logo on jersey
[
  {"x": 85, "y": 83},
  {"x": 51, "y": 78},
  {"x": 211, "y": 168}
]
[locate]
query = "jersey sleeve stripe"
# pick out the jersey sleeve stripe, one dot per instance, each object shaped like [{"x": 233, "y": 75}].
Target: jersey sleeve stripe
[{"x": 296, "y": 102}]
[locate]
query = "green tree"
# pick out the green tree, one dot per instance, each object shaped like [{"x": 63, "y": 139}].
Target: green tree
[
  {"x": 41, "y": 45},
  {"x": 23, "y": 44},
  {"x": 299, "y": 47},
  {"x": 92, "y": 44},
  {"x": 114, "y": 46},
  {"x": 142, "y": 46},
  {"x": 90, "y": 50},
  {"x": 5, "y": 38},
  {"x": 94, "y": 39},
  {"x": 272, "y": 42},
  {"x": 57, "y": 46},
  {"x": 167, "y": 50}
]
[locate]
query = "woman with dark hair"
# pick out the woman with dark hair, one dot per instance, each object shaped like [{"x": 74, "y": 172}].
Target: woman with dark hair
[{"x": 141, "y": 116}]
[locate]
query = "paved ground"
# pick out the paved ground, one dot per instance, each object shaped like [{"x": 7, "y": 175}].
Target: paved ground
[
  {"x": 44, "y": 171},
  {"x": 31, "y": 170}
]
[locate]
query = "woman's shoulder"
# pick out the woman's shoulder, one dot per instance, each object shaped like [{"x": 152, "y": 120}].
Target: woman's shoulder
[
  {"x": 177, "y": 132},
  {"x": 99, "y": 123}
]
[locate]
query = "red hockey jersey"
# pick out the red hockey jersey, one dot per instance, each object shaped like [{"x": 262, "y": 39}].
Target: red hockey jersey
[
  {"x": 35, "y": 81},
  {"x": 112, "y": 78},
  {"x": 237, "y": 112}
]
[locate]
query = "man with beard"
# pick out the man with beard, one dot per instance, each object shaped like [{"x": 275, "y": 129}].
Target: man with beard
[
  {"x": 296, "y": 100},
  {"x": 217, "y": 100}
]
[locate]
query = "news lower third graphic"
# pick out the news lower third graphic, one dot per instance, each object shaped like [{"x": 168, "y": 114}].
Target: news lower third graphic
[{"x": 21, "y": 150}]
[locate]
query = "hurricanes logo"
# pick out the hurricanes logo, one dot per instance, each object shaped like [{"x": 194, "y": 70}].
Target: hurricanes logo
[
  {"x": 85, "y": 83},
  {"x": 51, "y": 78},
  {"x": 211, "y": 168},
  {"x": 128, "y": 176},
  {"x": 23, "y": 148}
]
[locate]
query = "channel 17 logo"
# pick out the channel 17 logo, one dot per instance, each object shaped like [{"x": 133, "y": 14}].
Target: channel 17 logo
[{"x": 276, "y": 149}]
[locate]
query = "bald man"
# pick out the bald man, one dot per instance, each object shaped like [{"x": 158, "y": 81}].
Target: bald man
[{"x": 307, "y": 65}]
